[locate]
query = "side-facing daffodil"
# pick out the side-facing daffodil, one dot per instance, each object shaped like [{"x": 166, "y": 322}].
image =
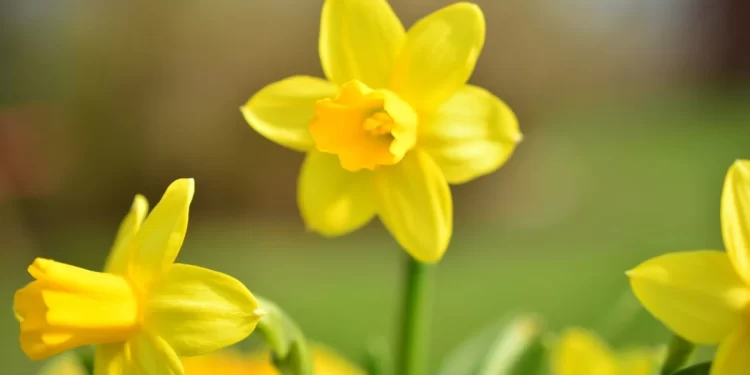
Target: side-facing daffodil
[
  {"x": 704, "y": 296},
  {"x": 144, "y": 311},
  {"x": 325, "y": 362},
  {"x": 580, "y": 352},
  {"x": 393, "y": 124}
]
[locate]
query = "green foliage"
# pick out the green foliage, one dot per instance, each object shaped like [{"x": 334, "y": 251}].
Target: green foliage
[
  {"x": 700, "y": 369},
  {"x": 510, "y": 347},
  {"x": 290, "y": 352}
]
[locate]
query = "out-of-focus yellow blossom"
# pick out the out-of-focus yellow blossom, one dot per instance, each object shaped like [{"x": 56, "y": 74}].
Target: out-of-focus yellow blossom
[
  {"x": 65, "y": 364},
  {"x": 145, "y": 310},
  {"x": 704, "y": 296},
  {"x": 325, "y": 362},
  {"x": 392, "y": 125},
  {"x": 580, "y": 352},
  {"x": 230, "y": 362}
]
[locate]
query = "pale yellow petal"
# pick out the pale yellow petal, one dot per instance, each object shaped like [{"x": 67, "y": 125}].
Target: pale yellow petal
[
  {"x": 735, "y": 217},
  {"x": 334, "y": 201},
  {"x": 158, "y": 242},
  {"x": 696, "y": 294},
  {"x": 472, "y": 134},
  {"x": 414, "y": 203},
  {"x": 110, "y": 359},
  {"x": 197, "y": 310},
  {"x": 359, "y": 39},
  {"x": 117, "y": 261},
  {"x": 582, "y": 353},
  {"x": 439, "y": 55},
  {"x": 733, "y": 356},
  {"x": 282, "y": 110},
  {"x": 65, "y": 364},
  {"x": 151, "y": 355}
]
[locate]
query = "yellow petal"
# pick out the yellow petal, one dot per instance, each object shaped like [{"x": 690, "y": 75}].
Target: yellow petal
[
  {"x": 696, "y": 294},
  {"x": 359, "y": 39},
  {"x": 638, "y": 362},
  {"x": 158, "y": 242},
  {"x": 414, "y": 203},
  {"x": 735, "y": 217},
  {"x": 67, "y": 307},
  {"x": 334, "y": 201},
  {"x": 110, "y": 359},
  {"x": 282, "y": 110},
  {"x": 151, "y": 355},
  {"x": 64, "y": 364},
  {"x": 117, "y": 262},
  {"x": 197, "y": 310},
  {"x": 439, "y": 55},
  {"x": 733, "y": 356},
  {"x": 581, "y": 353},
  {"x": 470, "y": 135}
]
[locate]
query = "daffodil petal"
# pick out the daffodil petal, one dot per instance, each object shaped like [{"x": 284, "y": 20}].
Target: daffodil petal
[
  {"x": 197, "y": 310},
  {"x": 110, "y": 359},
  {"x": 470, "y": 135},
  {"x": 158, "y": 242},
  {"x": 696, "y": 294},
  {"x": 151, "y": 355},
  {"x": 439, "y": 55},
  {"x": 334, "y": 201},
  {"x": 282, "y": 110},
  {"x": 414, "y": 203},
  {"x": 735, "y": 217},
  {"x": 117, "y": 261},
  {"x": 638, "y": 362},
  {"x": 359, "y": 39},
  {"x": 581, "y": 353},
  {"x": 733, "y": 355}
]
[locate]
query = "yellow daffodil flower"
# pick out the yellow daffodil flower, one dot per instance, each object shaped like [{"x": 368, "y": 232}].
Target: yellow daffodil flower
[
  {"x": 325, "y": 362},
  {"x": 392, "y": 125},
  {"x": 580, "y": 352},
  {"x": 704, "y": 296},
  {"x": 145, "y": 310}
]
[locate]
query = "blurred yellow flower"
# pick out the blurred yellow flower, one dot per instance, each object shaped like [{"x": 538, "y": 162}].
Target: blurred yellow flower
[
  {"x": 145, "y": 310},
  {"x": 393, "y": 124},
  {"x": 229, "y": 362},
  {"x": 704, "y": 296},
  {"x": 582, "y": 353},
  {"x": 325, "y": 362}
]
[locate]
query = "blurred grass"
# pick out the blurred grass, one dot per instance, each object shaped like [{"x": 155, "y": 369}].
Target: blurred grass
[{"x": 646, "y": 176}]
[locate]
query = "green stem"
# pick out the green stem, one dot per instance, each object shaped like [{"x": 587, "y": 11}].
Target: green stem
[
  {"x": 416, "y": 317},
  {"x": 679, "y": 352}
]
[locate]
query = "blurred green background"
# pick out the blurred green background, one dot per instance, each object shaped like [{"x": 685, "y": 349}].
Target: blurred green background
[{"x": 632, "y": 111}]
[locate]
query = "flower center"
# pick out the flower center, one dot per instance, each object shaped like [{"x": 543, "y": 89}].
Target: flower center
[
  {"x": 365, "y": 128},
  {"x": 66, "y": 307}
]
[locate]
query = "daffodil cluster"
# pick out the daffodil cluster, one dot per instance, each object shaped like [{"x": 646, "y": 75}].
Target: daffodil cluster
[{"x": 393, "y": 123}]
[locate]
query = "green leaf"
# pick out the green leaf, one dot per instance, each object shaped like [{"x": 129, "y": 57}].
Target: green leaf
[
  {"x": 510, "y": 347},
  {"x": 378, "y": 358},
  {"x": 700, "y": 369},
  {"x": 289, "y": 349}
]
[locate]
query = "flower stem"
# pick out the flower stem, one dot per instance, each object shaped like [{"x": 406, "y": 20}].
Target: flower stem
[
  {"x": 679, "y": 352},
  {"x": 416, "y": 319}
]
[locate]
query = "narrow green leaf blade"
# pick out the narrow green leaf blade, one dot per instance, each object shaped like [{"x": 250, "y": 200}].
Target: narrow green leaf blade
[{"x": 501, "y": 349}]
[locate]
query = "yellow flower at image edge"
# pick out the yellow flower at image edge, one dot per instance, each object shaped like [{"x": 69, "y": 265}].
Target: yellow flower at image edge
[
  {"x": 229, "y": 362},
  {"x": 393, "y": 124},
  {"x": 145, "y": 310},
  {"x": 325, "y": 362},
  {"x": 582, "y": 353},
  {"x": 704, "y": 296}
]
